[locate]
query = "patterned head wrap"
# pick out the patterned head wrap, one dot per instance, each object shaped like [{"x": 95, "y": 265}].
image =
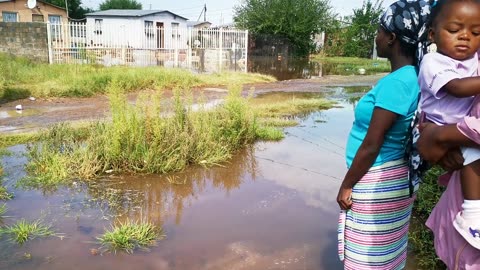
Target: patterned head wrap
[{"x": 408, "y": 19}]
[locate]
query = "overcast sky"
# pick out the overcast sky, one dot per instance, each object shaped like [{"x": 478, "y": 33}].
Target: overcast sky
[{"x": 220, "y": 11}]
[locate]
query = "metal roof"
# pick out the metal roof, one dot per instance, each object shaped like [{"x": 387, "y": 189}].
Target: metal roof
[{"x": 129, "y": 13}]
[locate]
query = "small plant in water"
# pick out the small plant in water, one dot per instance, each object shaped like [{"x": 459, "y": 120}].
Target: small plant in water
[
  {"x": 4, "y": 194},
  {"x": 3, "y": 210},
  {"x": 130, "y": 235},
  {"x": 22, "y": 231}
]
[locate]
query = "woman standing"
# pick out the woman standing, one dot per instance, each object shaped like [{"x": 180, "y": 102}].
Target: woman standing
[{"x": 375, "y": 194}]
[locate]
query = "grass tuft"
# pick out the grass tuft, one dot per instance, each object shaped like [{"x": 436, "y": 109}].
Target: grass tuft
[
  {"x": 130, "y": 235},
  {"x": 3, "y": 210},
  {"x": 23, "y": 231}
]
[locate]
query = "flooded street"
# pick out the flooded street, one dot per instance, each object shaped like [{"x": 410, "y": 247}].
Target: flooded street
[{"x": 271, "y": 207}]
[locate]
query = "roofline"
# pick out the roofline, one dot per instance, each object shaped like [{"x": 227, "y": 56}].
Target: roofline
[
  {"x": 139, "y": 16},
  {"x": 43, "y": 2},
  {"x": 52, "y": 5}
]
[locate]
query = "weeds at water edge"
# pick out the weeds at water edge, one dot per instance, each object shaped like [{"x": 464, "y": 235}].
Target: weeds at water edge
[{"x": 130, "y": 235}]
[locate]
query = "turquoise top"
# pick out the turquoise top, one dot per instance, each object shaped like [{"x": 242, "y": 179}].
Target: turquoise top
[{"x": 396, "y": 92}]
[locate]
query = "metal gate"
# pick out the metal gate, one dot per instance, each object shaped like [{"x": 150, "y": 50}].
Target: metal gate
[{"x": 202, "y": 50}]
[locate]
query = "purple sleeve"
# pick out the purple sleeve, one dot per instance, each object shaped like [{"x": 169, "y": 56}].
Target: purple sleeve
[
  {"x": 470, "y": 127},
  {"x": 435, "y": 72}
]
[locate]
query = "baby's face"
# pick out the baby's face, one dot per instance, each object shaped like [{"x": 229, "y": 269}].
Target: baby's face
[{"x": 456, "y": 30}]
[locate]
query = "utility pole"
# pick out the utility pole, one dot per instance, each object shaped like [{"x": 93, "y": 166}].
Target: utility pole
[{"x": 66, "y": 7}]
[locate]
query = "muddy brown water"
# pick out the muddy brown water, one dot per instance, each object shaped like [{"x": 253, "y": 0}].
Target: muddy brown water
[{"x": 271, "y": 207}]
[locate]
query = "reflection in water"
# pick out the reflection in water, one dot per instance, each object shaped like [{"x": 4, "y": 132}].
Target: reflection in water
[
  {"x": 159, "y": 196},
  {"x": 285, "y": 68}
]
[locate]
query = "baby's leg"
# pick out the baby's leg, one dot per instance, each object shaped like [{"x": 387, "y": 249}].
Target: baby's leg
[
  {"x": 470, "y": 177},
  {"x": 467, "y": 222}
]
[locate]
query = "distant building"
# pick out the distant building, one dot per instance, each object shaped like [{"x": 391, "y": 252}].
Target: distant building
[
  {"x": 134, "y": 28},
  {"x": 199, "y": 25},
  {"x": 17, "y": 11}
]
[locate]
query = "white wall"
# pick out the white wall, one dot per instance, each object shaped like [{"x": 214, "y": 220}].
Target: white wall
[{"x": 130, "y": 31}]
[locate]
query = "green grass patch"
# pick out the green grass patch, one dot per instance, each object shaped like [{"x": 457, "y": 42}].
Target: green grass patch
[
  {"x": 351, "y": 65},
  {"x": 138, "y": 140},
  {"x": 23, "y": 231},
  {"x": 277, "y": 122},
  {"x": 3, "y": 210},
  {"x": 268, "y": 133},
  {"x": 15, "y": 139},
  {"x": 4, "y": 194},
  {"x": 21, "y": 78},
  {"x": 420, "y": 237},
  {"x": 130, "y": 235},
  {"x": 291, "y": 107}
]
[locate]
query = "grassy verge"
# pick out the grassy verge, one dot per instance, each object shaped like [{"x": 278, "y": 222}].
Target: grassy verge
[
  {"x": 21, "y": 78},
  {"x": 420, "y": 237},
  {"x": 130, "y": 235},
  {"x": 23, "y": 231},
  {"x": 350, "y": 65}
]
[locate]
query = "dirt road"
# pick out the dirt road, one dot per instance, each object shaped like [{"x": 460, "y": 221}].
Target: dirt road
[{"x": 41, "y": 112}]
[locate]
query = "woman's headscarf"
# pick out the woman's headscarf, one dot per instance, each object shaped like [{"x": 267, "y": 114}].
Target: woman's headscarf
[{"x": 408, "y": 19}]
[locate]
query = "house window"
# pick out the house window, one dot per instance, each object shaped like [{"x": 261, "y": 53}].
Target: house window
[
  {"x": 37, "y": 18},
  {"x": 55, "y": 26},
  {"x": 98, "y": 26},
  {"x": 149, "y": 31},
  {"x": 175, "y": 27},
  {"x": 9, "y": 16}
]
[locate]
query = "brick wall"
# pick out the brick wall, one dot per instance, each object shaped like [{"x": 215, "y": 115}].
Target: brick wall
[{"x": 24, "y": 39}]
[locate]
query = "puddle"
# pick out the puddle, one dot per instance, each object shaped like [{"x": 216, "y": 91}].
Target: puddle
[
  {"x": 18, "y": 113},
  {"x": 271, "y": 207},
  {"x": 303, "y": 68}
]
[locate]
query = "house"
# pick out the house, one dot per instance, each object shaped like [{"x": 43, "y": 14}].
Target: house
[
  {"x": 199, "y": 25},
  {"x": 17, "y": 11},
  {"x": 155, "y": 29}
]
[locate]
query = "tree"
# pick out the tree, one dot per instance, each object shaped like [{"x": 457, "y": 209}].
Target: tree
[
  {"x": 120, "y": 4},
  {"x": 75, "y": 9},
  {"x": 294, "y": 20},
  {"x": 361, "y": 33}
]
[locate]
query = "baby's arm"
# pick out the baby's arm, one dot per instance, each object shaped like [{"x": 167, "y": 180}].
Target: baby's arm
[{"x": 464, "y": 87}]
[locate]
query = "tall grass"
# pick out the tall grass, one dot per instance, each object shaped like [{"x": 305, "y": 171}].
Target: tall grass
[
  {"x": 139, "y": 140},
  {"x": 130, "y": 235},
  {"x": 21, "y": 78}
]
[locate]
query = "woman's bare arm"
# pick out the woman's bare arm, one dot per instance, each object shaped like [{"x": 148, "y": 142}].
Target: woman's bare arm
[{"x": 382, "y": 120}]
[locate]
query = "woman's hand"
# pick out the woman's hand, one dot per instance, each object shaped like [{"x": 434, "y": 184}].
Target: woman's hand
[
  {"x": 344, "y": 197},
  {"x": 428, "y": 144},
  {"x": 452, "y": 161}
]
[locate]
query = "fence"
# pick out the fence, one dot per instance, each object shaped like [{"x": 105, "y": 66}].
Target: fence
[{"x": 202, "y": 50}]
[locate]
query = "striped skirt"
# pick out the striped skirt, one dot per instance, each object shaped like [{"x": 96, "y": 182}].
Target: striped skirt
[{"x": 373, "y": 234}]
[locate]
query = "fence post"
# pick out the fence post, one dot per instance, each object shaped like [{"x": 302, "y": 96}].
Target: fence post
[
  {"x": 49, "y": 41},
  {"x": 189, "y": 49},
  {"x": 246, "y": 51},
  {"x": 221, "y": 50}
]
